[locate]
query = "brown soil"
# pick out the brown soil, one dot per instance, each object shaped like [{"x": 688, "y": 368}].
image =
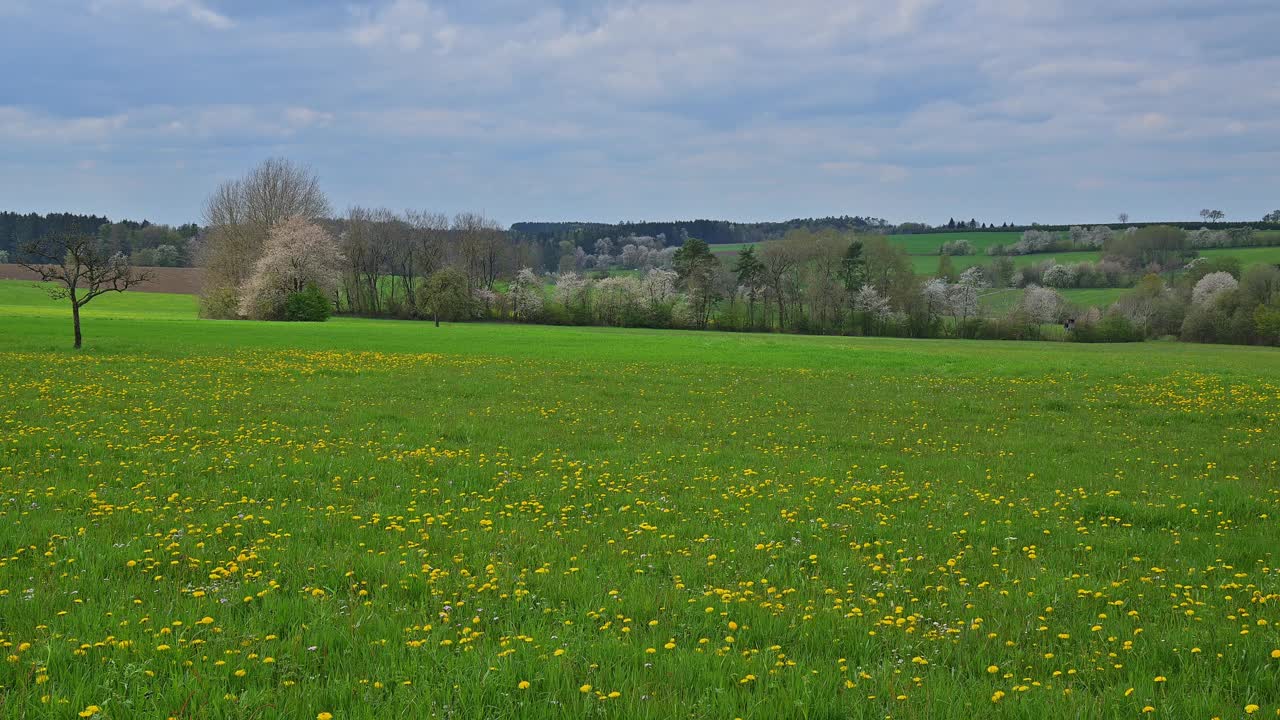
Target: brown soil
[{"x": 183, "y": 281}]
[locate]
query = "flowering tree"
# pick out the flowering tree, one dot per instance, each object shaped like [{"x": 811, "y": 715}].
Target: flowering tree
[
  {"x": 874, "y": 307},
  {"x": 934, "y": 295},
  {"x": 1211, "y": 285},
  {"x": 573, "y": 292},
  {"x": 962, "y": 301},
  {"x": 659, "y": 287},
  {"x": 1041, "y": 304},
  {"x": 975, "y": 277},
  {"x": 616, "y": 299},
  {"x": 526, "y": 295},
  {"x": 298, "y": 254},
  {"x": 1060, "y": 276}
]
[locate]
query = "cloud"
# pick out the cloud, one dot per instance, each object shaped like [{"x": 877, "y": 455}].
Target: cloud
[
  {"x": 19, "y": 125},
  {"x": 1041, "y": 110},
  {"x": 193, "y": 10},
  {"x": 404, "y": 25},
  {"x": 159, "y": 124}
]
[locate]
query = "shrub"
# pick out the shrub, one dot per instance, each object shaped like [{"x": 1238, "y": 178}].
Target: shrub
[
  {"x": 956, "y": 247},
  {"x": 1114, "y": 328},
  {"x": 1060, "y": 276},
  {"x": 219, "y": 303},
  {"x": 1266, "y": 320},
  {"x": 308, "y": 305}
]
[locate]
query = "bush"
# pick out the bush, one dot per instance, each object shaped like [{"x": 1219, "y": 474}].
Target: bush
[
  {"x": 1114, "y": 328},
  {"x": 1266, "y": 322},
  {"x": 309, "y": 305},
  {"x": 956, "y": 248},
  {"x": 219, "y": 303}
]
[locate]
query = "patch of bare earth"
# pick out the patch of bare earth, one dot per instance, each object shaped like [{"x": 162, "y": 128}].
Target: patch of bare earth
[{"x": 182, "y": 281}]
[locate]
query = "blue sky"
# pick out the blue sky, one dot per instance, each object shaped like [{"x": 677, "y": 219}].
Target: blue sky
[{"x": 1003, "y": 110}]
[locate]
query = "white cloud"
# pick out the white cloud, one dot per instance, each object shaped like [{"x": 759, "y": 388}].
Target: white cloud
[
  {"x": 193, "y": 10},
  {"x": 405, "y": 25},
  {"x": 660, "y": 107},
  {"x": 25, "y": 126}
]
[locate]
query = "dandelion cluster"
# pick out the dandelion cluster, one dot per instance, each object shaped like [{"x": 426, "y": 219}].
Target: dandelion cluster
[{"x": 340, "y": 534}]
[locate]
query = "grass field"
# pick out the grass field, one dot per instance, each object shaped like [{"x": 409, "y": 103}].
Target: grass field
[
  {"x": 924, "y": 265},
  {"x": 376, "y": 519},
  {"x": 1000, "y": 301},
  {"x": 924, "y": 258}
]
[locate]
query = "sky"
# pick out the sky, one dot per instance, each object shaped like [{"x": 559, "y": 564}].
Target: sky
[{"x": 1050, "y": 111}]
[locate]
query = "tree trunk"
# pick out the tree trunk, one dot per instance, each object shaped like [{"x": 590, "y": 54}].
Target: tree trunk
[{"x": 75, "y": 318}]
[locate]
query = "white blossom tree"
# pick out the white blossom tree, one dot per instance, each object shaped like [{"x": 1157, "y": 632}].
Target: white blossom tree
[
  {"x": 1041, "y": 304},
  {"x": 1211, "y": 285},
  {"x": 962, "y": 301},
  {"x": 934, "y": 295},
  {"x": 869, "y": 300},
  {"x": 617, "y": 298},
  {"x": 659, "y": 286},
  {"x": 1060, "y": 276},
  {"x": 975, "y": 277},
  {"x": 297, "y": 253},
  {"x": 526, "y": 295},
  {"x": 573, "y": 292}
]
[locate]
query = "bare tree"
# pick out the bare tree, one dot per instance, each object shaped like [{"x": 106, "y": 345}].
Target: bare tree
[
  {"x": 81, "y": 269},
  {"x": 239, "y": 215},
  {"x": 481, "y": 246},
  {"x": 1123, "y": 218},
  {"x": 782, "y": 261},
  {"x": 426, "y": 251},
  {"x": 824, "y": 287},
  {"x": 367, "y": 245}
]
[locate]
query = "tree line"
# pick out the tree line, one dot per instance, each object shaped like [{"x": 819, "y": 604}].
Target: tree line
[
  {"x": 273, "y": 249},
  {"x": 144, "y": 243},
  {"x": 273, "y": 244}
]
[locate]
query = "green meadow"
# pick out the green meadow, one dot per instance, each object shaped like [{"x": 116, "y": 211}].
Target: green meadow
[{"x": 372, "y": 519}]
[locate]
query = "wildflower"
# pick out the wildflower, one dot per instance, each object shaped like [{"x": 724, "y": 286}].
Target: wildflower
[
  {"x": 324, "y": 716},
  {"x": 90, "y": 711},
  {"x": 996, "y": 696},
  {"x": 523, "y": 685},
  {"x": 586, "y": 688}
]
